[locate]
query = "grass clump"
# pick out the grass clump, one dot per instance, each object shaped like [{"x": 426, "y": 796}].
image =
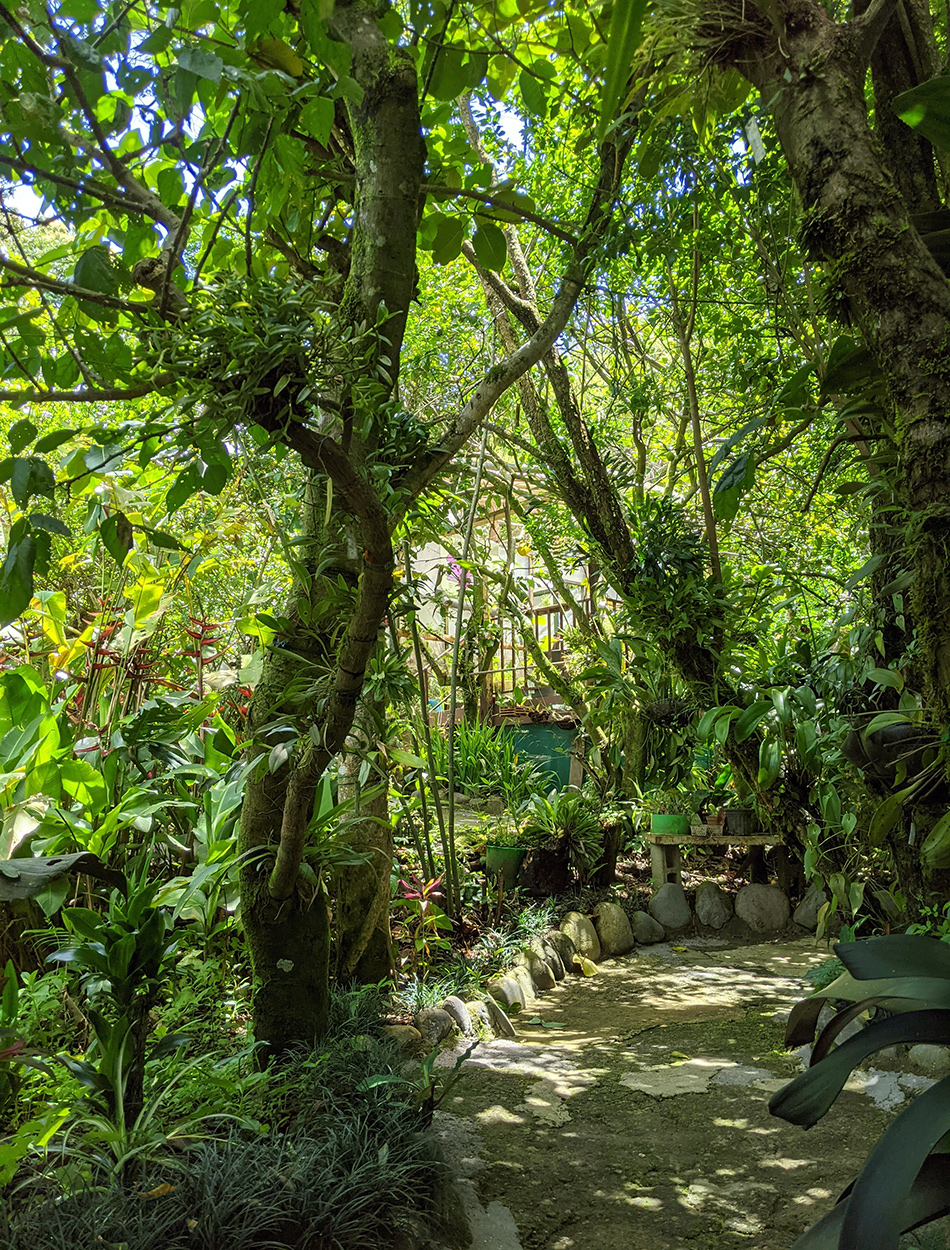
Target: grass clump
[{"x": 340, "y": 1163}]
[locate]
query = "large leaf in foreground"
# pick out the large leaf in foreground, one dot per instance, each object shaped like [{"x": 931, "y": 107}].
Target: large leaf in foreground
[
  {"x": 806, "y": 1099},
  {"x": 928, "y": 1199},
  {"x": 22, "y": 878},
  {"x": 873, "y": 1220},
  {"x": 897, "y": 955}
]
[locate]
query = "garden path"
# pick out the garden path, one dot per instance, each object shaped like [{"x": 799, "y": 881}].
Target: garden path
[{"x": 630, "y": 1111}]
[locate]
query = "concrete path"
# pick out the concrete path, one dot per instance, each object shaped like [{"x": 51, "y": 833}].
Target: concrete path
[{"x": 630, "y": 1112}]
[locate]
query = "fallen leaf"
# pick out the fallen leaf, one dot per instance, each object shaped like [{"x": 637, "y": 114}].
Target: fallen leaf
[{"x": 161, "y": 1191}]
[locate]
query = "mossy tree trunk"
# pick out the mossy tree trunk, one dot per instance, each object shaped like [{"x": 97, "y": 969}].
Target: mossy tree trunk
[
  {"x": 363, "y": 948},
  {"x": 859, "y": 192},
  {"x": 283, "y": 910}
]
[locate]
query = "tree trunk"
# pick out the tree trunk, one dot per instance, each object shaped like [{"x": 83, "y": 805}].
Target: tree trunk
[
  {"x": 882, "y": 276},
  {"x": 362, "y": 891}
]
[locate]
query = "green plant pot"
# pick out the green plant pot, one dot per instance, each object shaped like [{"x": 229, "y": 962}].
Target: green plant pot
[
  {"x": 506, "y": 860},
  {"x": 672, "y": 823}
]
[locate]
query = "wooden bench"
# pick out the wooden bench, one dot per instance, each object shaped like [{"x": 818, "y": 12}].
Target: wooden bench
[{"x": 665, "y": 860}]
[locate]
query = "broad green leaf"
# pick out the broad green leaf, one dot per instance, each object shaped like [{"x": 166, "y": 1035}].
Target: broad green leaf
[
  {"x": 850, "y": 368},
  {"x": 448, "y": 240},
  {"x": 935, "y": 849},
  {"x": 277, "y": 53},
  {"x": 116, "y": 533},
  {"x": 884, "y": 818},
  {"x": 883, "y": 719},
  {"x": 746, "y": 723},
  {"x": 770, "y": 762},
  {"x": 708, "y": 719},
  {"x": 146, "y": 599},
  {"x": 82, "y": 781},
  {"x": 159, "y": 538},
  {"x": 734, "y": 481},
  {"x": 886, "y": 677},
  {"x": 406, "y": 758},
  {"x": 49, "y": 442},
  {"x": 40, "y": 521},
  {"x": 96, "y": 271},
  {"x": 157, "y": 41},
  {"x": 490, "y": 247},
  {"x": 31, "y": 476},
  {"x": 317, "y": 118},
  {"x": 214, "y": 478},
  {"x": 623, "y": 39},
  {"x": 20, "y": 434},
  {"x": 926, "y": 108},
  {"x": 186, "y": 484},
  {"x": 16, "y": 579},
  {"x": 534, "y": 93},
  {"x": 449, "y": 77}
]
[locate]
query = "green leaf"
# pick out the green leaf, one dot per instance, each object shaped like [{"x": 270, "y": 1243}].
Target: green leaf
[
  {"x": 873, "y": 1220},
  {"x": 449, "y": 235},
  {"x": 623, "y": 39},
  {"x": 806, "y": 1099},
  {"x": 101, "y": 458},
  {"x": 186, "y": 485},
  {"x": 896, "y": 955},
  {"x": 770, "y": 762},
  {"x": 159, "y": 538},
  {"x": 734, "y": 481},
  {"x": 157, "y": 41},
  {"x": 20, "y": 434},
  {"x": 886, "y": 677},
  {"x": 747, "y": 722},
  {"x": 749, "y": 428},
  {"x": 40, "y": 521},
  {"x": 867, "y": 568},
  {"x": 705, "y": 726},
  {"x": 926, "y": 109},
  {"x": 883, "y": 719},
  {"x": 850, "y": 368},
  {"x": 534, "y": 93},
  {"x": 11, "y": 994},
  {"x": 317, "y": 118},
  {"x": 31, "y": 476},
  {"x": 884, "y": 818},
  {"x": 96, "y": 272},
  {"x": 49, "y": 442},
  {"x": 214, "y": 479},
  {"x": 935, "y": 849},
  {"x": 201, "y": 63},
  {"x": 406, "y": 758},
  {"x": 449, "y": 75},
  {"x": 491, "y": 249},
  {"x": 116, "y": 534}
]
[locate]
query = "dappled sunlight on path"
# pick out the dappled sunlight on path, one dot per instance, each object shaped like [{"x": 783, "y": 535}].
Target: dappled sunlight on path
[{"x": 642, "y": 1123}]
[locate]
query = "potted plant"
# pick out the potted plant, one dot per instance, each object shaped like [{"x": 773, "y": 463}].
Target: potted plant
[
  {"x": 671, "y": 811},
  {"x": 504, "y": 853},
  {"x": 562, "y": 834}
]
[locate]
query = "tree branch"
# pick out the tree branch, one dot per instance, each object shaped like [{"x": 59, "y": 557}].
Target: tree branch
[
  {"x": 34, "y": 278},
  {"x": 105, "y": 395},
  {"x": 869, "y": 27}
]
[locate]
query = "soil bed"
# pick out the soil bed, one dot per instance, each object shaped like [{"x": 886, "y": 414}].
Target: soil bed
[{"x": 642, "y": 1123}]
